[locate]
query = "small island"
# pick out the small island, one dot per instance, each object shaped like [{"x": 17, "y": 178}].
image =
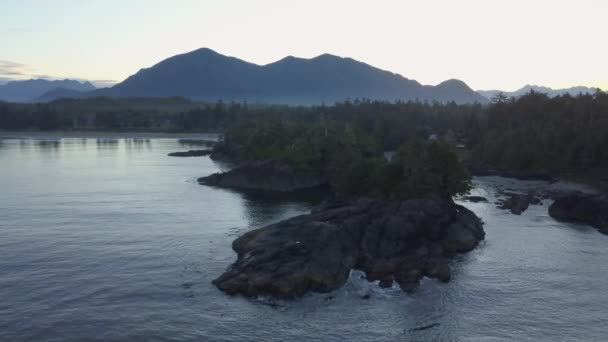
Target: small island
[{"x": 394, "y": 220}]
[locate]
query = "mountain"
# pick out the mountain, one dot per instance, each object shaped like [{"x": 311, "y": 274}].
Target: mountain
[
  {"x": 26, "y": 91},
  {"x": 206, "y": 75},
  {"x": 489, "y": 94},
  {"x": 61, "y": 93}
]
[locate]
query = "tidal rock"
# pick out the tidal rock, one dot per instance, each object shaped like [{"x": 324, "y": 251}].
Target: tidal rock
[
  {"x": 265, "y": 175},
  {"x": 387, "y": 240},
  {"x": 582, "y": 208},
  {"x": 191, "y": 153}
]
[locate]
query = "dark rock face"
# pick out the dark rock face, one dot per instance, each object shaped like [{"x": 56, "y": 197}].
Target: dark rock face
[
  {"x": 389, "y": 241},
  {"x": 582, "y": 208},
  {"x": 191, "y": 153},
  {"x": 265, "y": 175}
]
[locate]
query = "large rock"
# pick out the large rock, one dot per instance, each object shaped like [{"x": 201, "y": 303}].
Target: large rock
[
  {"x": 265, "y": 175},
  {"x": 582, "y": 208},
  {"x": 518, "y": 203},
  {"x": 389, "y": 241}
]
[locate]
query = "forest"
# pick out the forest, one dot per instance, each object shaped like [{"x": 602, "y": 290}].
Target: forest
[{"x": 564, "y": 135}]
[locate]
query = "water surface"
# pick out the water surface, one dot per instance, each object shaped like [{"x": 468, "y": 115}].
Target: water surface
[{"x": 107, "y": 238}]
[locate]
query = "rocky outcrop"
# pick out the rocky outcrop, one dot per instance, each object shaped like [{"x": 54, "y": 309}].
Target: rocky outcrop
[
  {"x": 389, "y": 241},
  {"x": 265, "y": 175},
  {"x": 474, "y": 199},
  {"x": 582, "y": 208},
  {"x": 517, "y": 203},
  {"x": 191, "y": 153}
]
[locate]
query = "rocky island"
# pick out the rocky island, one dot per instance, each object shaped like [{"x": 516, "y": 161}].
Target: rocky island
[
  {"x": 394, "y": 220},
  {"x": 391, "y": 241}
]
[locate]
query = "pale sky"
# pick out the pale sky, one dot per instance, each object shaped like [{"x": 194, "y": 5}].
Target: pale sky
[{"x": 489, "y": 44}]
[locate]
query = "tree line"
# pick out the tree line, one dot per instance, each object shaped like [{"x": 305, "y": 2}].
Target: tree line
[{"x": 561, "y": 135}]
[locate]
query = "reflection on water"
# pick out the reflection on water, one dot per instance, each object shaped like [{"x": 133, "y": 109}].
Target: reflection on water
[
  {"x": 48, "y": 144},
  {"x": 107, "y": 238}
]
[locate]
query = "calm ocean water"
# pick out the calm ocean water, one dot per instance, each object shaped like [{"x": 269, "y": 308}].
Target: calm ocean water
[{"x": 108, "y": 239}]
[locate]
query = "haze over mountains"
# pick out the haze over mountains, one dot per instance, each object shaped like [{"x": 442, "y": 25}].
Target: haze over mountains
[
  {"x": 31, "y": 90},
  {"x": 489, "y": 94},
  {"x": 206, "y": 75}
]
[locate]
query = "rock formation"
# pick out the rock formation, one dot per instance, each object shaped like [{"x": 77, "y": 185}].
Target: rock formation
[{"x": 391, "y": 241}]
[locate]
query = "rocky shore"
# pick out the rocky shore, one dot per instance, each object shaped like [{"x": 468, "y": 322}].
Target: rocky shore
[
  {"x": 390, "y": 241},
  {"x": 267, "y": 176}
]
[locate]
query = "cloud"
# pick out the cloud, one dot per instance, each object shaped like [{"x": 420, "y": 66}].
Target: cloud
[{"x": 12, "y": 69}]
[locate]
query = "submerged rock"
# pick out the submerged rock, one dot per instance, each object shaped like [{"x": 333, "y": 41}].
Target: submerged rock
[
  {"x": 388, "y": 241},
  {"x": 191, "y": 153},
  {"x": 265, "y": 175},
  {"x": 582, "y": 208}
]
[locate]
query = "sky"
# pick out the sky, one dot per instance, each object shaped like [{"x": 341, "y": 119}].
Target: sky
[{"x": 489, "y": 44}]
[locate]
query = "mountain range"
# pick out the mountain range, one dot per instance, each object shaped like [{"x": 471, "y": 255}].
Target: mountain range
[
  {"x": 205, "y": 75},
  {"x": 32, "y": 90},
  {"x": 489, "y": 94}
]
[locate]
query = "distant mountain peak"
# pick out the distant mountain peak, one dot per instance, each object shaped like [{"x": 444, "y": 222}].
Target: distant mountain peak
[
  {"x": 453, "y": 83},
  {"x": 327, "y": 56}
]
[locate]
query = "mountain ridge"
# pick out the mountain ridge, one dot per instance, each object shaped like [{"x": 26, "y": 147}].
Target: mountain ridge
[
  {"x": 551, "y": 92},
  {"x": 30, "y": 90},
  {"x": 207, "y": 75}
]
